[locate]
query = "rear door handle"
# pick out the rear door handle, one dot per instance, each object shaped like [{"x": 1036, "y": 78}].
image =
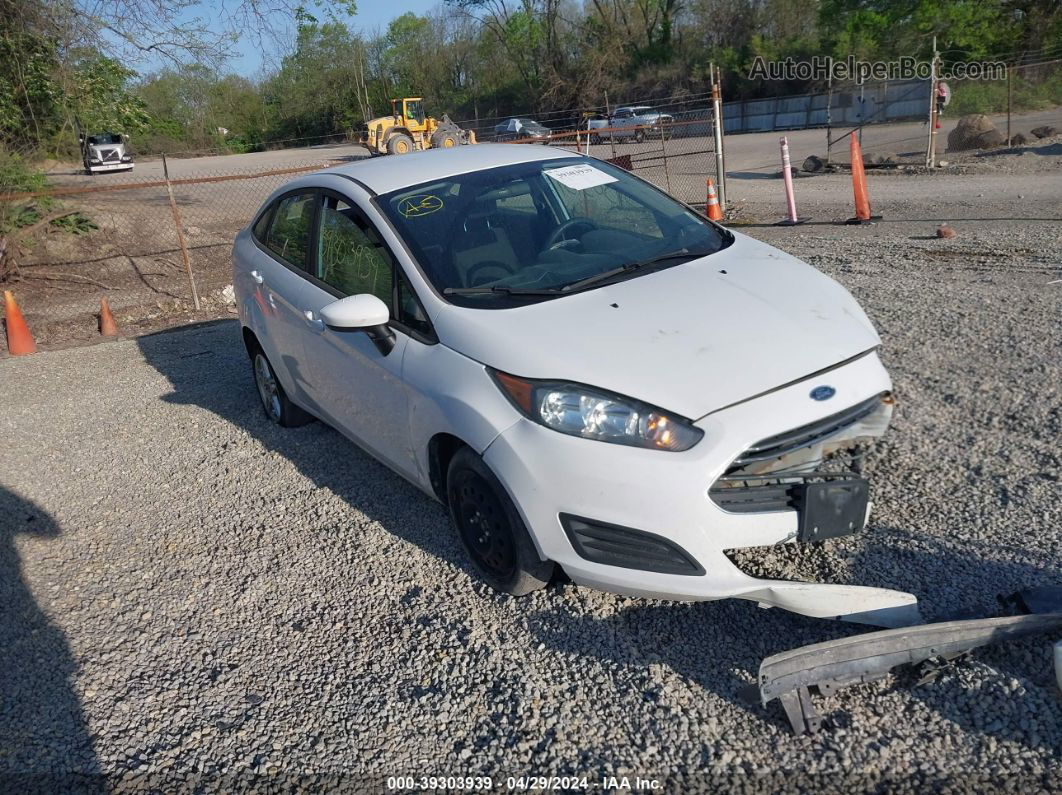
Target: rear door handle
[
  {"x": 258, "y": 277},
  {"x": 314, "y": 321}
]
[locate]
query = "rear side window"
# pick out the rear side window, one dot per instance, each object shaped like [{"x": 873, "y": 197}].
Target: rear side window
[
  {"x": 261, "y": 229},
  {"x": 289, "y": 233}
]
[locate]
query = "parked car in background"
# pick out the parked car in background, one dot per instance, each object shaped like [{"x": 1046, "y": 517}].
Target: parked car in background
[
  {"x": 636, "y": 122},
  {"x": 522, "y": 129},
  {"x": 587, "y": 373},
  {"x": 594, "y": 122}
]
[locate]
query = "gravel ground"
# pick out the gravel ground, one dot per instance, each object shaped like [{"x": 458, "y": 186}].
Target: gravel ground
[{"x": 195, "y": 598}]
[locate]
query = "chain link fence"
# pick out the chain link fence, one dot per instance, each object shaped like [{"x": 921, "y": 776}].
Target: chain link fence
[
  {"x": 668, "y": 142},
  {"x": 892, "y": 121},
  {"x": 124, "y": 237}
]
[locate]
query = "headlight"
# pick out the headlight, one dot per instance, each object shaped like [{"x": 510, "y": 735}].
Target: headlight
[
  {"x": 95, "y": 160},
  {"x": 126, "y": 159},
  {"x": 579, "y": 410}
]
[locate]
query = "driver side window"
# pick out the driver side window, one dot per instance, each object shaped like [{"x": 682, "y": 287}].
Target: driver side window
[{"x": 351, "y": 256}]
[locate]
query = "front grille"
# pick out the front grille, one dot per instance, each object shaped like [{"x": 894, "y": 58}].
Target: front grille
[
  {"x": 738, "y": 492},
  {"x": 754, "y": 499},
  {"x": 108, "y": 154},
  {"x": 806, "y": 435}
]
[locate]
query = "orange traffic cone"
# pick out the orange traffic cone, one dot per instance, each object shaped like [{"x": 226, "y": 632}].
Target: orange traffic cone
[
  {"x": 108, "y": 328},
  {"x": 19, "y": 340},
  {"x": 859, "y": 187},
  {"x": 712, "y": 208}
]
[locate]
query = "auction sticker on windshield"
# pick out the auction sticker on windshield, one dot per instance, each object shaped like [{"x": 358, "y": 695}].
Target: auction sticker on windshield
[{"x": 580, "y": 177}]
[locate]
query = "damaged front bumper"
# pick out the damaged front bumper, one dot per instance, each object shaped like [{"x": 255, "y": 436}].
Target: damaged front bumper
[{"x": 641, "y": 506}]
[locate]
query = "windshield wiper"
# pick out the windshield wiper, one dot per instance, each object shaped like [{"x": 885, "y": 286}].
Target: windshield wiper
[
  {"x": 597, "y": 278},
  {"x": 630, "y": 267},
  {"x": 501, "y": 289}
]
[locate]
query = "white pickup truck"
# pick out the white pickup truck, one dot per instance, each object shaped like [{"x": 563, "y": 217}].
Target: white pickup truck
[{"x": 632, "y": 121}]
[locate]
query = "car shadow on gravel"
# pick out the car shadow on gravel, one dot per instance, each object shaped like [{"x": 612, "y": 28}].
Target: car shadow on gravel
[
  {"x": 45, "y": 743},
  {"x": 207, "y": 366}
]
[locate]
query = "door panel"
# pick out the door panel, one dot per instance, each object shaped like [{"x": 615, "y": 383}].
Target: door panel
[
  {"x": 278, "y": 288},
  {"x": 359, "y": 388}
]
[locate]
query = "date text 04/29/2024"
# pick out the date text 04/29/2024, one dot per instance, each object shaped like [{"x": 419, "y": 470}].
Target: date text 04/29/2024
[{"x": 525, "y": 783}]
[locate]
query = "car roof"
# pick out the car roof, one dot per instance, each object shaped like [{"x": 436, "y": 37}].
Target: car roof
[{"x": 394, "y": 172}]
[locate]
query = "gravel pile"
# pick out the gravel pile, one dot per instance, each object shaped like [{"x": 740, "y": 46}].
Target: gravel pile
[{"x": 193, "y": 597}]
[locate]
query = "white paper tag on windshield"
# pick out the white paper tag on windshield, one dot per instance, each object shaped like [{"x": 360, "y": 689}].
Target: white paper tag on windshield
[{"x": 580, "y": 177}]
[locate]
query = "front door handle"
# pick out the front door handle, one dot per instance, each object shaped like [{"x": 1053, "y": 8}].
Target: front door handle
[
  {"x": 314, "y": 321},
  {"x": 258, "y": 277}
]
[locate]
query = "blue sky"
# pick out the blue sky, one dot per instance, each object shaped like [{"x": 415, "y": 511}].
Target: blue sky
[{"x": 248, "y": 57}]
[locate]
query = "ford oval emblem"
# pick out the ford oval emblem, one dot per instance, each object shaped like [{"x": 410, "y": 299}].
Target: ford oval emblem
[{"x": 823, "y": 392}]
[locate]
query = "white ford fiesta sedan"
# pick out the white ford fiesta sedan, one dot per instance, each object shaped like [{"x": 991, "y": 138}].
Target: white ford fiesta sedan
[{"x": 586, "y": 372}]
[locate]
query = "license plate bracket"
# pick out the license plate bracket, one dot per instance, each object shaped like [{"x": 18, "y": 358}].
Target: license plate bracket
[{"x": 832, "y": 508}]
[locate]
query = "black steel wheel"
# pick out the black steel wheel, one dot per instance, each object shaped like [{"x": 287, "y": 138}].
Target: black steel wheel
[{"x": 491, "y": 530}]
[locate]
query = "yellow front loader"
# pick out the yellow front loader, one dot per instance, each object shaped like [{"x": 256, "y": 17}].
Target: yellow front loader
[{"x": 408, "y": 130}]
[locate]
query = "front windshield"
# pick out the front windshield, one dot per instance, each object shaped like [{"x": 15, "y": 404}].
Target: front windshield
[
  {"x": 488, "y": 237},
  {"x": 415, "y": 110},
  {"x": 104, "y": 138}
]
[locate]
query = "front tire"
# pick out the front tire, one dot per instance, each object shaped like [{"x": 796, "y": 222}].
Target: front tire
[
  {"x": 399, "y": 144},
  {"x": 275, "y": 403},
  {"x": 444, "y": 140},
  {"x": 491, "y": 530}
]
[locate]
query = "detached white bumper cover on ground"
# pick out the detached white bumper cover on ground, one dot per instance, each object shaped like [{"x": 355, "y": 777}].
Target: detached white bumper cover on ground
[{"x": 834, "y": 664}]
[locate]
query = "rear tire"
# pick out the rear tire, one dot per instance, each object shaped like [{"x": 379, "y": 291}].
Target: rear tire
[
  {"x": 274, "y": 400},
  {"x": 491, "y": 530},
  {"x": 399, "y": 144}
]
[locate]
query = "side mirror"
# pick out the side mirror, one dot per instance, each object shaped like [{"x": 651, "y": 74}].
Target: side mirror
[{"x": 362, "y": 312}]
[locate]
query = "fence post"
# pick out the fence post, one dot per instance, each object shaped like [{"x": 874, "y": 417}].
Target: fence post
[
  {"x": 608, "y": 123},
  {"x": 931, "y": 149},
  {"x": 1010, "y": 95},
  {"x": 829, "y": 106},
  {"x": 663, "y": 151},
  {"x": 717, "y": 115},
  {"x": 180, "y": 233}
]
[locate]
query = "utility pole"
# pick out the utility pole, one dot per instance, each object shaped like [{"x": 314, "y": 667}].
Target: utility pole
[{"x": 931, "y": 149}]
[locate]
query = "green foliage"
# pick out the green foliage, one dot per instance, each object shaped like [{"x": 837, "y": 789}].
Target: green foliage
[
  {"x": 75, "y": 224},
  {"x": 974, "y": 96},
  {"x": 16, "y": 176},
  {"x": 30, "y": 98},
  {"x": 99, "y": 96},
  {"x": 189, "y": 107}
]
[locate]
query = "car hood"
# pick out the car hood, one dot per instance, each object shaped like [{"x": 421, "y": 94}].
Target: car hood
[{"x": 690, "y": 339}]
